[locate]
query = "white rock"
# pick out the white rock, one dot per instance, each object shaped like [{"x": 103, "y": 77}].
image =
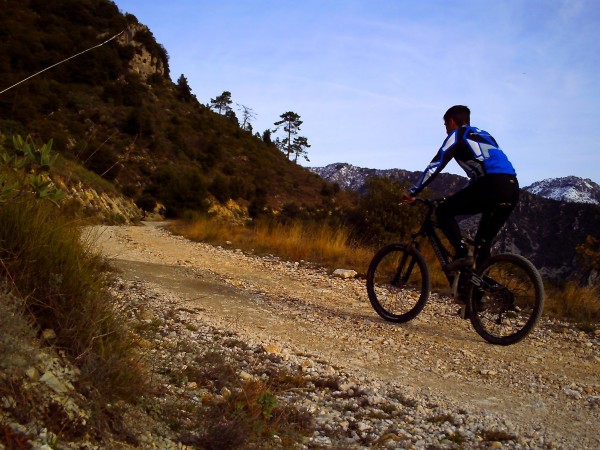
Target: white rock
[
  {"x": 50, "y": 379},
  {"x": 344, "y": 273}
]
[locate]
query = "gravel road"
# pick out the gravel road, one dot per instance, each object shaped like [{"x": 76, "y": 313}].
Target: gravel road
[{"x": 542, "y": 393}]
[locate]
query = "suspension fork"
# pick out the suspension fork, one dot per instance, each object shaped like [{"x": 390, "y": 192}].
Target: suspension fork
[{"x": 401, "y": 276}]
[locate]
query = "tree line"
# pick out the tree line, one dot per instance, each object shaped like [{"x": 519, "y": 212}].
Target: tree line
[{"x": 289, "y": 142}]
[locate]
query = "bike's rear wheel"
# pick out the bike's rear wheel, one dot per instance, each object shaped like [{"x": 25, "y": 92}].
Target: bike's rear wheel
[
  {"x": 509, "y": 302},
  {"x": 398, "y": 282}
]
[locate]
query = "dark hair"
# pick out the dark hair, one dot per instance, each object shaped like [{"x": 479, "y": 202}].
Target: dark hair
[{"x": 461, "y": 115}]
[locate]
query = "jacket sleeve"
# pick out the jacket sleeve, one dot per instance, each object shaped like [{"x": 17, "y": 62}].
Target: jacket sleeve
[{"x": 437, "y": 164}]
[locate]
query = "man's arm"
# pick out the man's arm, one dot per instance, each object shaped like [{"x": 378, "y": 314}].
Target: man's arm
[{"x": 437, "y": 164}]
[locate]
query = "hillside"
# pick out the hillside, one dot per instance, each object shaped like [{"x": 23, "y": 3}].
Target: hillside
[{"x": 115, "y": 111}]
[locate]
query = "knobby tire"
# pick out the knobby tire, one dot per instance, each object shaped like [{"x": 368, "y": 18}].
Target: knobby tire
[
  {"x": 398, "y": 283},
  {"x": 508, "y": 304}
]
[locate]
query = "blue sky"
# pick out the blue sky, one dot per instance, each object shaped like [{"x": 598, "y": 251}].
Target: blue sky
[{"x": 371, "y": 79}]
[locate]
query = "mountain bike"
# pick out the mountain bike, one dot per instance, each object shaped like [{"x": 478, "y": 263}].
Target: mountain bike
[{"x": 503, "y": 298}]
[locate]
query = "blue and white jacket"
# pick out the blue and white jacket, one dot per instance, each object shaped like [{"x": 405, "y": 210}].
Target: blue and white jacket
[{"x": 475, "y": 150}]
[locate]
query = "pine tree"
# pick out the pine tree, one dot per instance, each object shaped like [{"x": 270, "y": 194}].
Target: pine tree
[
  {"x": 291, "y": 143},
  {"x": 222, "y": 103},
  {"x": 183, "y": 89}
]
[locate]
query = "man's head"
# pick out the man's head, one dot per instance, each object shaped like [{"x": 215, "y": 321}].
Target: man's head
[{"x": 456, "y": 117}]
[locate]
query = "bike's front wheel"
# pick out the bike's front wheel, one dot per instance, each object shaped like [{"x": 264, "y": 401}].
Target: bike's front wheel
[
  {"x": 508, "y": 302},
  {"x": 398, "y": 282}
]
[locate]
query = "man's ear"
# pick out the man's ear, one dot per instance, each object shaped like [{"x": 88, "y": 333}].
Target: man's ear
[{"x": 453, "y": 124}]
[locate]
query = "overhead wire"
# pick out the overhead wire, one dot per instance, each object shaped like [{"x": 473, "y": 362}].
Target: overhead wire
[{"x": 63, "y": 61}]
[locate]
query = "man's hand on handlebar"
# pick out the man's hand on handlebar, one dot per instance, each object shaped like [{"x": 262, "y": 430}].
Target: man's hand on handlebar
[{"x": 407, "y": 198}]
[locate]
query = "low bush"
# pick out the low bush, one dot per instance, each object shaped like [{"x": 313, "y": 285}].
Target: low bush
[{"x": 58, "y": 278}]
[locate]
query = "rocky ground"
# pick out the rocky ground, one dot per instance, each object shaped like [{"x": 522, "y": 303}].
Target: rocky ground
[{"x": 361, "y": 382}]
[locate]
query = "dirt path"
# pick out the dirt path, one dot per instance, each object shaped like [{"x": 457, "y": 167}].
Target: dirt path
[{"x": 549, "y": 382}]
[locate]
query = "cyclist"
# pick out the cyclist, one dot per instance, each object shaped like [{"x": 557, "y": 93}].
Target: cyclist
[{"x": 493, "y": 189}]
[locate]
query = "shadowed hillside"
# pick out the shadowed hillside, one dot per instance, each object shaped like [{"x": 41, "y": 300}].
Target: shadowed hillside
[{"x": 116, "y": 111}]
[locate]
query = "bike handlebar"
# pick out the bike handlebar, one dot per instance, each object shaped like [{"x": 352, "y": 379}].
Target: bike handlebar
[{"x": 431, "y": 203}]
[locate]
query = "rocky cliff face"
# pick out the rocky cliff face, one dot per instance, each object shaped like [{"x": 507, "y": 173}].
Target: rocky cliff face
[
  {"x": 548, "y": 232},
  {"x": 101, "y": 207},
  {"x": 143, "y": 62}
]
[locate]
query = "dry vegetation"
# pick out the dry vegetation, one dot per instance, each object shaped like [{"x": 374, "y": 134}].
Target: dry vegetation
[
  {"x": 574, "y": 302},
  {"x": 53, "y": 280},
  {"x": 317, "y": 243},
  {"x": 333, "y": 247}
]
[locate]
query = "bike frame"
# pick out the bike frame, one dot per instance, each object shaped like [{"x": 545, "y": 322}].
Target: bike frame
[
  {"x": 428, "y": 231},
  {"x": 491, "y": 294}
]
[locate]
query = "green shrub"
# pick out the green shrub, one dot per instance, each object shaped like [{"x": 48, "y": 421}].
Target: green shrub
[
  {"x": 24, "y": 170},
  {"x": 180, "y": 189},
  {"x": 219, "y": 187},
  {"x": 379, "y": 218}
]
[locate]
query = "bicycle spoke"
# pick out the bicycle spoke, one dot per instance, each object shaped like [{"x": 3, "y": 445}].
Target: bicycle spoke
[
  {"x": 398, "y": 283},
  {"x": 509, "y": 302}
]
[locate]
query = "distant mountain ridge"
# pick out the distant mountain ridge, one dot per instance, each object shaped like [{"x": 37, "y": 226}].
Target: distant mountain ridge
[
  {"x": 553, "y": 216},
  {"x": 353, "y": 178},
  {"x": 569, "y": 189}
]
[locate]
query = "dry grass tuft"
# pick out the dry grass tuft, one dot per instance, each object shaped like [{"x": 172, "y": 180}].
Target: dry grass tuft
[
  {"x": 574, "y": 302},
  {"x": 498, "y": 436},
  {"x": 237, "y": 413},
  {"x": 62, "y": 282},
  {"x": 317, "y": 243},
  {"x": 16, "y": 331}
]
